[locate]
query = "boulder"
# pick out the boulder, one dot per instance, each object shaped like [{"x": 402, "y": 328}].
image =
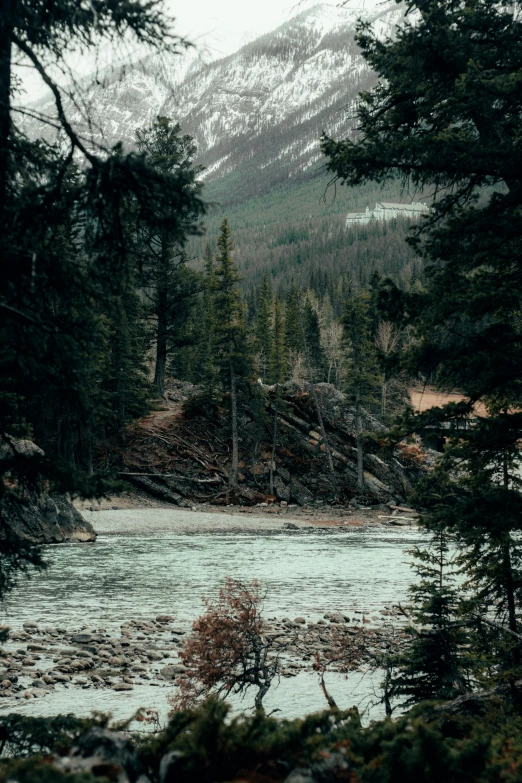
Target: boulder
[
  {"x": 45, "y": 518},
  {"x": 102, "y": 751},
  {"x": 282, "y": 491},
  {"x": 299, "y": 492}
]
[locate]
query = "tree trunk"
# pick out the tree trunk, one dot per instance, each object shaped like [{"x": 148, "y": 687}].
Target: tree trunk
[
  {"x": 234, "y": 469},
  {"x": 161, "y": 351},
  {"x": 274, "y": 440},
  {"x": 260, "y": 695},
  {"x": 358, "y": 429},
  {"x": 329, "y": 459},
  {"x": 330, "y": 700},
  {"x": 6, "y": 28}
]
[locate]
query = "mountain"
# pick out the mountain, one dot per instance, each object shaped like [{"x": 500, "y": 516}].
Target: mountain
[
  {"x": 257, "y": 116},
  {"x": 259, "y": 111}
]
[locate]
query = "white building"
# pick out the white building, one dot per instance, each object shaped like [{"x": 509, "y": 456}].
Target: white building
[{"x": 388, "y": 210}]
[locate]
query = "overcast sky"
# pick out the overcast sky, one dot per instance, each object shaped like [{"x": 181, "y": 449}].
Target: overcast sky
[
  {"x": 219, "y": 25},
  {"x": 254, "y": 15}
]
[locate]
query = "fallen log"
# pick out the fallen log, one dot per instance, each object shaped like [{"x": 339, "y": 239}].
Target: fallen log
[{"x": 142, "y": 482}]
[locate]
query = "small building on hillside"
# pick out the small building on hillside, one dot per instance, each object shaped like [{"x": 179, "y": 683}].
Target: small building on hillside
[{"x": 387, "y": 210}]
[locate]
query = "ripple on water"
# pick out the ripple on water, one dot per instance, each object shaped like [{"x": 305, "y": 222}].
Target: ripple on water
[{"x": 129, "y": 576}]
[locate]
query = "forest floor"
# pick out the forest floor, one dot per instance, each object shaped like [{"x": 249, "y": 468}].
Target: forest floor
[{"x": 167, "y": 424}]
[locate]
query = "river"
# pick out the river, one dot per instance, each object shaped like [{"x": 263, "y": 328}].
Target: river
[{"x": 152, "y": 562}]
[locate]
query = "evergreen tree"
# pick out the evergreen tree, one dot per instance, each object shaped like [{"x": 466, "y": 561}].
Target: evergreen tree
[
  {"x": 312, "y": 337},
  {"x": 278, "y": 349},
  {"x": 361, "y": 374},
  {"x": 293, "y": 338},
  {"x": 231, "y": 336},
  {"x": 263, "y": 328},
  {"x": 163, "y": 262},
  {"x": 54, "y": 284},
  {"x": 446, "y": 114},
  {"x": 208, "y": 375},
  {"x": 277, "y": 376},
  {"x": 435, "y": 664}
]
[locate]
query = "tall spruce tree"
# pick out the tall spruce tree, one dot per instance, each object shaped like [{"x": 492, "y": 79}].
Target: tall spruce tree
[
  {"x": 232, "y": 348},
  {"x": 170, "y": 286},
  {"x": 436, "y": 663},
  {"x": 293, "y": 337},
  {"x": 277, "y": 376},
  {"x": 312, "y": 337},
  {"x": 445, "y": 118},
  {"x": 362, "y": 371},
  {"x": 263, "y": 328}
]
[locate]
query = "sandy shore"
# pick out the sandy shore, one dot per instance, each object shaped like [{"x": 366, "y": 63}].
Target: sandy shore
[{"x": 124, "y": 514}]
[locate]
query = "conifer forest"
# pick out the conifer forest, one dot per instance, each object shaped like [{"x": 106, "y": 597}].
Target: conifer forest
[{"x": 260, "y": 367}]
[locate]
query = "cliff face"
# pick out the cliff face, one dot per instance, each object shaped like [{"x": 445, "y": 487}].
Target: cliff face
[
  {"x": 45, "y": 519},
  {"x": 181, "y": 455},
  {"x": 36, "y": 515}
]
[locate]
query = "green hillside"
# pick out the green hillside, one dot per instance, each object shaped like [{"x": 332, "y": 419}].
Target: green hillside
[{"x": 296, "y": 230}]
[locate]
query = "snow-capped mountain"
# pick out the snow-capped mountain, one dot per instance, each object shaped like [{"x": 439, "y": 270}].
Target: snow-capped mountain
[{"x": 259, "y": 111}]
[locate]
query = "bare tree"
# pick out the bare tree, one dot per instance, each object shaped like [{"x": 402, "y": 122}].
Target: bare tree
[
  {"x": 387, "y": 339},
  {"x": 228, "y": 651}
]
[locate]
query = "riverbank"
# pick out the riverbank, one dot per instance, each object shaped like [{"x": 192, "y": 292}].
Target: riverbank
[
  {"x": 206, "y": 517},
  {"x": 39, "y": 661}
]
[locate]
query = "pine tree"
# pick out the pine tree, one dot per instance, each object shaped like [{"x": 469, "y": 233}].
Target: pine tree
[
  {"x": 312, "y": 336},
  {"x": 446, "y": 115},
  {"x": 208, "y": 376},
  {"x": 62, "y": 245},
  {"x": 294, "y": 342},
  {"x": 277, "y": 376},
  {"x": 361, "y": 374},
  {"x": 162, "y": 238},
  {"x": 263, "y": 328},
  {"x": 435, "y": 664},
  {"x": 231, "y": 336}
]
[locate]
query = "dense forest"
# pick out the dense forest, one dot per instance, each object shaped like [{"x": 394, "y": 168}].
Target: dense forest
[{"x": 109, "y": 285}]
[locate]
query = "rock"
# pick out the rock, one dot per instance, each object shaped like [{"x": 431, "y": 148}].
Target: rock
[
  {"x": 299, "y": 492},
  {"x": 122, "y": 686},
  {"x": 285, "y": 475},
  {"x": 332, "y": 767},
  {"x": 103, "y": 753},
  {"x": 164, "y": 618},
  {"x": 168, "y": 673},
  {"x": 44, "y": 518},
  {"x": 290, "y": 526},
  {"x": 300, "y": 621},
  {"x": 86, "y": 638},
  {"x": 282, "y": 491},
  {"x": 168, "y": 766}
]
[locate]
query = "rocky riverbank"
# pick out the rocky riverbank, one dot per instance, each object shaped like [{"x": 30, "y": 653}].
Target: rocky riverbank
[
  {"x": 36, "y": 661},
  {"x": 201, "y": 516},
  {"x": 181, "y": 454}
]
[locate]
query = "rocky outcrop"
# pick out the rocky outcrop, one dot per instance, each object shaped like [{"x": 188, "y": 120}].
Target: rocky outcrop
[
  {"x": 186, "y": 457},
  {"x": 45, "y": 519},
  {"x": 34, "y": 514}
]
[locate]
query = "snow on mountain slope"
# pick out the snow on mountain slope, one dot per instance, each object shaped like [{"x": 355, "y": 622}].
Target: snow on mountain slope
[{"x": 259, "y": 110}]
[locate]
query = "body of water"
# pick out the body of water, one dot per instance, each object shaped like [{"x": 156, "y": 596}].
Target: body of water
[{"x": 168, "y": 570}]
